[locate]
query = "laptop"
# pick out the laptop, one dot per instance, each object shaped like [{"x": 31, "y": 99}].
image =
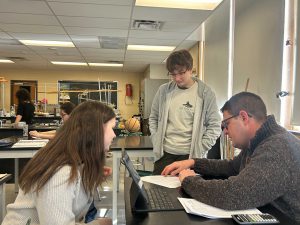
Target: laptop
[{"x": 146, "y": 197}]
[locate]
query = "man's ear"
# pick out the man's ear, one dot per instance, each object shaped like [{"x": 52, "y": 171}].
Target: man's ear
[{"x": 244, "y": 115}]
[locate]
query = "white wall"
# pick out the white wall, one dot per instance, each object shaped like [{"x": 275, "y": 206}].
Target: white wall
[
  {"x": 258, "y": 49},
  {"x": 158, "y": 71},
  {"x": 216, "y": 51}
]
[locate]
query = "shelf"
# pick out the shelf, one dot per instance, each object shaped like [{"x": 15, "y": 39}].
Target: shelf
[{"x": 78, "y": 91}]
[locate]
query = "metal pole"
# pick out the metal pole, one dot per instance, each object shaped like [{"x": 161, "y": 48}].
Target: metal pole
[
  {"x": 288, "y": 66},
  {"x": 3, "y": 96}
]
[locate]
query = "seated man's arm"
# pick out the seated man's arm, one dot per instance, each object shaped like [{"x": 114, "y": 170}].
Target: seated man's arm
[
  {"x": 217, "y": 167},
  {"x": 256, "y": 185}
]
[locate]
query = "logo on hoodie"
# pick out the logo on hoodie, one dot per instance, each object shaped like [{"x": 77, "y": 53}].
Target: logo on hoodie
[{"x": 187, "y": 105}]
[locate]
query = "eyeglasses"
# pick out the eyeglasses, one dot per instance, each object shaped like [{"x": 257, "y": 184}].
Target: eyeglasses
[
  {"x": 181, "y": 73},
  {"x": 224, "y": 123}
]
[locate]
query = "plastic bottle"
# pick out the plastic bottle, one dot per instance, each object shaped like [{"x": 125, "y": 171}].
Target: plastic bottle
[
  {"x": 12, "y": 111},
  {"x": 25, "y": 130}
]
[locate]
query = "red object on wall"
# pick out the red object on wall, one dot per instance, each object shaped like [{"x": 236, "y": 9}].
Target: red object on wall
[{"x": 128, "y": 90}]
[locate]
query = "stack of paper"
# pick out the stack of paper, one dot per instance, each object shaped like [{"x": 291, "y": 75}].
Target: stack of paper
[
  {"x": 195, "y": 207},
  {"x": 166, "y": 181},
  {"x": 30, "y": 143}
]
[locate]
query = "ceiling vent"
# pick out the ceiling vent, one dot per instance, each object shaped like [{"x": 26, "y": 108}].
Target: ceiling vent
[
  {"x": 146, "y": 25},
  {"x": 112, "y": 42}
]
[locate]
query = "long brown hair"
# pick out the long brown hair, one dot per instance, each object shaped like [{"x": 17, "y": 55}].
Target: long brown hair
[{"x": 80, "y": 142}]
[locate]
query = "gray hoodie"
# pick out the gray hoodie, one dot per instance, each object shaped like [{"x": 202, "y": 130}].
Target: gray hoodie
[{"x": 207, "y": 121}]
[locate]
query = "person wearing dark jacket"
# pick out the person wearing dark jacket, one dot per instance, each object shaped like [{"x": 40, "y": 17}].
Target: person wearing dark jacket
[
  {"x": 25, "y": 110},
  {"x": 266, "y": 171}
]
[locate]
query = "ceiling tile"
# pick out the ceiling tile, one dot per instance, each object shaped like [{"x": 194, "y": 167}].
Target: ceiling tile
[
  {"x": 105, "y": 57},
  {"x": 109, "y": 23},
  {"x": 90, "y": 10},
  {"x": 157, "y": 34},
  {"x": 37, "y": 29},
  {"x": 44, "y": 37},
  {"x": 166, "y": 14},
  {"x": 68, "y": 58},
  {"x": 184, "y": 26},
  {"x": 99, "y": 51},
  {"x": 4, "y": 35},
  {"x": 21, "y": 18},
  {"x": 17, "y": 48},
  {"x": 96, "y": 31},
  {"x": 21, "y": 6},
  {"x": 103, "y": 2},
  {"x": 54, "y": 50}
]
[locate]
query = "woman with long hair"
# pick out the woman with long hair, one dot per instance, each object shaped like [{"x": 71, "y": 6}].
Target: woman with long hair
[
  {"x": 57, "y": 185},
  {"x": 25, "y": 110}
]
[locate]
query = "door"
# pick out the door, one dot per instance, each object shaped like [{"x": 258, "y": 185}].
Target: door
[{"x": 16, "y": 85}]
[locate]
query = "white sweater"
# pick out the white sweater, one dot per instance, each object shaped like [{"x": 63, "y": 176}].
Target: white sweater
[{"x": 57, "y": 203}]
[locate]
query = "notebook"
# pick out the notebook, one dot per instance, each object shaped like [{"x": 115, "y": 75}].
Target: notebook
[
  {"x": 30, "y": 143},
  {"x": 145, "y": 197}
]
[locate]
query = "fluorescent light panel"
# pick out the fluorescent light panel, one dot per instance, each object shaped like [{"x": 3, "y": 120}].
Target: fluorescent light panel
[
  {"x": 6, "y": 61},
  {"x": 179, "y": 4},
  {"x": 106, "y": 64},
  {"x": 150, "y": 48},
  {"x": 67, "y": 44},
  {"x": 69, "y": 63}
]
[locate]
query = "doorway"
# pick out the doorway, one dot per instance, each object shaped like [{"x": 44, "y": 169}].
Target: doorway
[{"x": 29, "y": 85}]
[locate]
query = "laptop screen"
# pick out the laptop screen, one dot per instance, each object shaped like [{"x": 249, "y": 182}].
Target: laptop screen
[{"x": 134, "y": 174}]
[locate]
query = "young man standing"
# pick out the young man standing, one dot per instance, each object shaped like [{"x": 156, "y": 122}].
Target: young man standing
[{"x": 184, "y": 121}]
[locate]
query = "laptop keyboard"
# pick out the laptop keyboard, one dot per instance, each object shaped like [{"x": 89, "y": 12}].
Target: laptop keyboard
[{"x": 159, "y": 199}]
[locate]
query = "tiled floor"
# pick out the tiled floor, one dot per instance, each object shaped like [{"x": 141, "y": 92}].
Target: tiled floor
[{"x": 104, "y": 205}]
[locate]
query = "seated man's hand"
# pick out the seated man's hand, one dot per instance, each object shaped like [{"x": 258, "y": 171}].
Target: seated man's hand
[
  {"x": 34, "y": 133},
  {"x": 107, "y": 171},
  {"x": 175, "y": 168},
  {"x": 186, "y": 173}
]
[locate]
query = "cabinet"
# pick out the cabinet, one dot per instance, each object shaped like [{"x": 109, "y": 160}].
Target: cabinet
[{"x": 149, "y": 88}]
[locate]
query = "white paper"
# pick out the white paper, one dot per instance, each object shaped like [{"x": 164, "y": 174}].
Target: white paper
[
  {"x": 2, "y": 175},
  {"x": 165, "y": 181},
  {"x": 195, "y": 207},
  {"x": 30, "y": 143}
]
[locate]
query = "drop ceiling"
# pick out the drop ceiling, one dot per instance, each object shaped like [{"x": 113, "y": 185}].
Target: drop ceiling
[{"x": 86, "y": 23}]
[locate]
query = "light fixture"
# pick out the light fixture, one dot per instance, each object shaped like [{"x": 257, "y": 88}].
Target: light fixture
[
  {"x": 150, "y": 48},
  {"x": 69, "y": 63},
  {"x": 6, "y": 61},
  {"x": 106, "y": 64},
  {"x": 67, "y": 44},
  {"x": 179, "y": 4}
]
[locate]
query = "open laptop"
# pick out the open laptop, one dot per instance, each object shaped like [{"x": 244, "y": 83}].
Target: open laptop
[{"x": 145, "y": 197}]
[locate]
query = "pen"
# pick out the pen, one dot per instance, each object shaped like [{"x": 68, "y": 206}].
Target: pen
[{"x": 28, "y": 221}]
